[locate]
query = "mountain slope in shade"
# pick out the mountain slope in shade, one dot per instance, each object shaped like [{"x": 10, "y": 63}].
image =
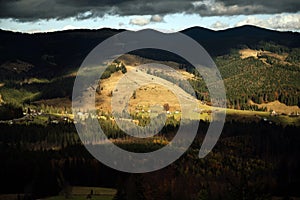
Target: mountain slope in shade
[{"x": 220, "y": 42}]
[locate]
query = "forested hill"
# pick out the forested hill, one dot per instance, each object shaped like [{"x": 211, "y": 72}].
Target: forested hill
[
  {"x": 220, "y": 42},
  {"x": 53, "y": 53},
  {"x": 37, "y": 66}
]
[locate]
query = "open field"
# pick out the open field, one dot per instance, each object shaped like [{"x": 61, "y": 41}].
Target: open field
[
  {"x": 81, "y": 193},
  {"x": 16, "y": 95},
  {"x": 246, "y": 53},
  {"x": 157, "y": 90}
]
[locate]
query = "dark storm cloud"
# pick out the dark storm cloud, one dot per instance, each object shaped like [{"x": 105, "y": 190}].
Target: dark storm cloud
[
  {"x": 273, "y": 6},
  {"x": 29, "y": 10}
]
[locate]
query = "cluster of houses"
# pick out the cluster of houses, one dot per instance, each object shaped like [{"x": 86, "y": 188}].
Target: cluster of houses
[
  {"x": 29, "y": 114},
  {"x": 294, "y": 114}
]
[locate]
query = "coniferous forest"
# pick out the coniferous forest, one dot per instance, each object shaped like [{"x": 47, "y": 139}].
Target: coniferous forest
[{"x": 250, "y": 161}]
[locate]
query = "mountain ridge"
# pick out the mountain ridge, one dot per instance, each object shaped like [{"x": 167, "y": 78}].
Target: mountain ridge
[
  {"x": 247, "y": 26},
  {"x": 67, "y": 49}
]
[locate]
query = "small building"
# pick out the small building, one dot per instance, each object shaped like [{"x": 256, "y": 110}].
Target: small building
[{"x": 274, "y": 113}]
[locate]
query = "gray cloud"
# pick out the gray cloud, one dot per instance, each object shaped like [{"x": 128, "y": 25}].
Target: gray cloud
[
  {"x": 274, "y": 6},
  {"x": 30, "y": 10}
]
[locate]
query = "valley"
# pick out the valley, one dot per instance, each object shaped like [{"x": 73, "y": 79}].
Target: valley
[{"x": 256, "y": 156}]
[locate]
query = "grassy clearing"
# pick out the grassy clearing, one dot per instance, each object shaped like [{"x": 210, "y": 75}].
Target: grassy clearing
[
  {"x": 36, "y": 80},
  {"x": 40, "y": 120},
  {"x": 248, "y": 115},
  {"x": 17, "y": 96},
  {"x": 246, "y": 53},
  {"x": 285, "y": 120},
  {"x": 245, "y": 116}
]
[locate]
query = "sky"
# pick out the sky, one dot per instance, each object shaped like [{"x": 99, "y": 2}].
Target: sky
[{"x": 33, "y": 16}]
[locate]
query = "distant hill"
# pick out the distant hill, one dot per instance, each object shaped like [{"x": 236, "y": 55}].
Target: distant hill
[
  {"x": 53, "y": 52},
  {"x": 220, "y": 42}
]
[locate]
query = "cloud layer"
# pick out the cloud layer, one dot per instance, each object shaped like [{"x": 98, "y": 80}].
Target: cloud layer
[
  {"x": 278, "y": 22},
  {"x": 31, "y": 10}
]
